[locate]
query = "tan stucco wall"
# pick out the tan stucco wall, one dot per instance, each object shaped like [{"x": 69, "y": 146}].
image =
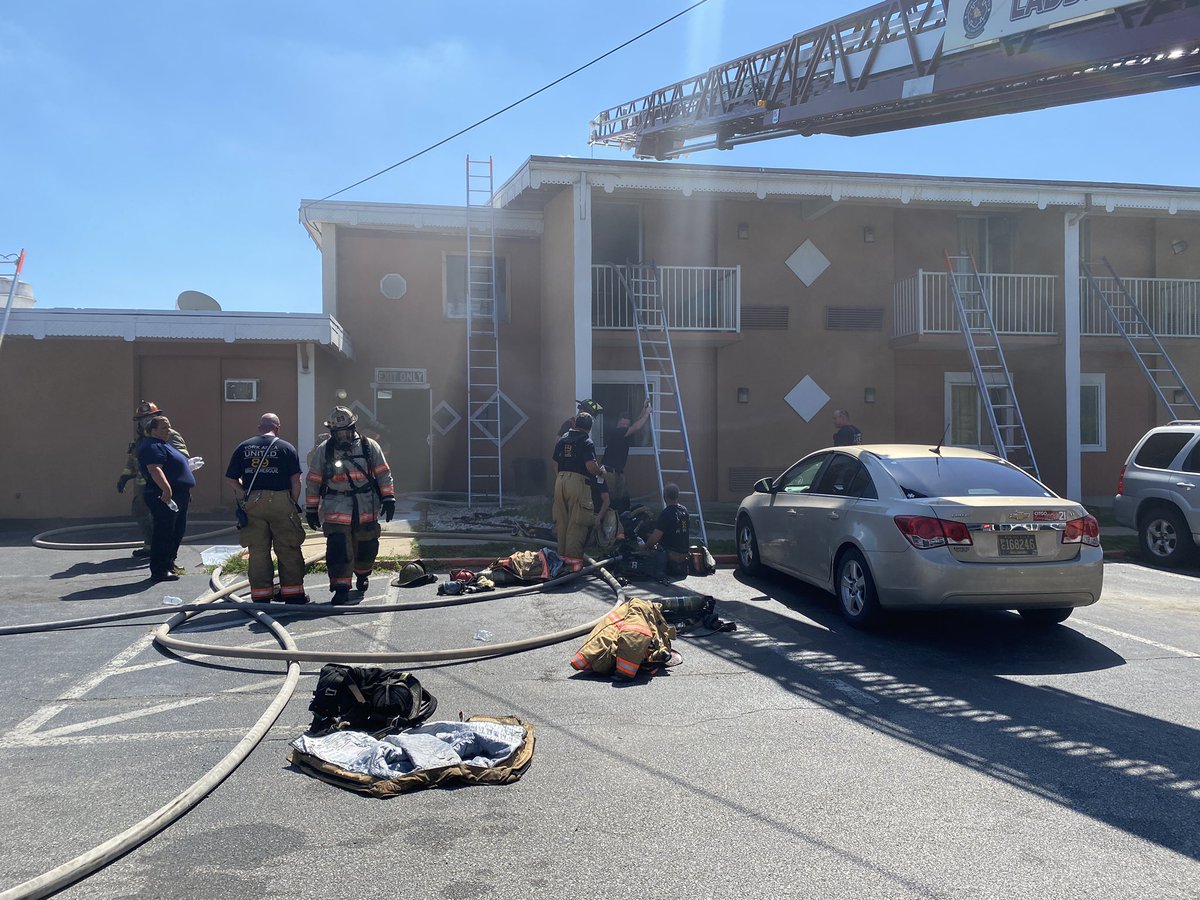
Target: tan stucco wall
[
  {"x": 87, "y": 390},
  {"x": 413, "y": 332},
  {"x": 557, "y": 344}
]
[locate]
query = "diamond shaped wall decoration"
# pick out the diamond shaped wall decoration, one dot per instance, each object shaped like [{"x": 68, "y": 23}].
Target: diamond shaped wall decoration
[
  {"x": 806, "y": 398},
  {"x": 510, "y": 417},
  {"x": 808, "y": 263},
  {"x": 445, "y": 417}
]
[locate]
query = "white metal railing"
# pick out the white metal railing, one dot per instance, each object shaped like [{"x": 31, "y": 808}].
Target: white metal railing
[
  {"x": 1170, "y": 305},
  {"x": 1020, "y": 304},
  {"x": 696, "y": 298}
]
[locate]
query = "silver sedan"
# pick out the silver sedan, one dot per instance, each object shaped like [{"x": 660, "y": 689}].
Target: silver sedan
[{"x": 908, "y": 526}]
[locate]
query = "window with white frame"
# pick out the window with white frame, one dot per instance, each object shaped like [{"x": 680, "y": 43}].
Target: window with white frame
[
  {"x": 967, "y": 423},
  {"x": 622, "y": 392},
  {"x": 487, "y": 287},
  {"x": 1092, "y": 425}
]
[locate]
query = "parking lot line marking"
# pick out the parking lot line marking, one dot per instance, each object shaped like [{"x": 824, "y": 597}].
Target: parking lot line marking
[
  {"x": 1133, "y": 637},
  {"x": 75, "y": 740},
  {"x": 120, "y": 717}
]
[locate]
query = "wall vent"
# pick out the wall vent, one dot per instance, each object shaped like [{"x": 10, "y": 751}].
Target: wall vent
[
  {"x": 854, "y": 318},
  {"x": 741, "y": 479},
  {"x": 765, "y": 318}
]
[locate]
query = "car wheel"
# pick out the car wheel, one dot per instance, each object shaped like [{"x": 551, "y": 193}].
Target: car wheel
[
  {"x": 856, "y": 591},
  {"x": 1164, "y": 537},
  {"x": 749, "y": 562},
  {"x": 1044, "y": 616}
]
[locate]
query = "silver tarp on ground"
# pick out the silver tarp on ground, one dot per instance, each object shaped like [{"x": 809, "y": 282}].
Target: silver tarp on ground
[{"x": 433, "y": 745}]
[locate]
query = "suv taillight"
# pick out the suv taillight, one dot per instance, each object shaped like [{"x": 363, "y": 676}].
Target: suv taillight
[
  {"x": 1082, "y": 531},
  {"x": 1121, "y": 481},
  {"x": 927, "y": 532}
]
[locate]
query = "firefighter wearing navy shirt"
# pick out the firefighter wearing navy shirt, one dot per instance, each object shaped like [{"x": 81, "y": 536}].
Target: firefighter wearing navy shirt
[
  {"x": 575, "y": 455},
  {"x": 672, "y": 532},
  {"x": 265, "y": 471}
]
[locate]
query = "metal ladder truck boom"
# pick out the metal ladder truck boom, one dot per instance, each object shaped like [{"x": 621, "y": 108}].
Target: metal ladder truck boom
[{"x": 908, "y": 63}]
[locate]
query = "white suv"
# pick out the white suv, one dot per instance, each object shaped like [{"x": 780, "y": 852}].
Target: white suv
[{"x": 1159, "y": 493}]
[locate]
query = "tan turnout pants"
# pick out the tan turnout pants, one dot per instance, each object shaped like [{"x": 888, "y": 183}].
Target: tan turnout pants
[
  {"x": 273, "y": 521},
  {"x": 572, "y": 513}
]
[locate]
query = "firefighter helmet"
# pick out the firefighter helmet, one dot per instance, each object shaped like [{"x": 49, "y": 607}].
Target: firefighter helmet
[
  {"x": 146, "y": 409},
  {"x": 340, "y": 418},
  {"x": 412, "y": 574},
  {"x": 589, "y": 406}
]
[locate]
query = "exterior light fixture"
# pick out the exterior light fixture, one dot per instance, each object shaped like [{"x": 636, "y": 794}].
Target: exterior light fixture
[
  {"x": 1178, "y": 246},
  {"x": 743, "y": 395},
  {"x": 868, "y": 234},
  {"x": 869, "y": 395},
  {"x": 341, "y": 394},
  {"x": 743, "y": 231}
]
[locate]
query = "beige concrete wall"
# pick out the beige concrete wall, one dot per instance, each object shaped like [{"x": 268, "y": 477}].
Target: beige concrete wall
[
  {"x": 557, "y": 337},
  {"x": 87, "y": 390},
  {"x": 680, "y": 232},
  {"x": 413, "y": 332}
]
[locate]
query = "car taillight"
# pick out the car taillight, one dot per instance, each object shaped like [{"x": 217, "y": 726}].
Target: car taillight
[
  {"x": 1082, "y": 531},
  {"x": 1121, "y": 481},
  {"x": 927, "y": 532}
]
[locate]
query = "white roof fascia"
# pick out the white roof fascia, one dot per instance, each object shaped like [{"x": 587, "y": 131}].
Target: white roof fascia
[
  {"x": 413, "y": 217},
  {"x": 839, "y": 186},
  {"x": 181, "y": 325}
]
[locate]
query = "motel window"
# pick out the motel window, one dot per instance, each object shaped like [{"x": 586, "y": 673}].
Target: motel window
[
  {"x": 967, "y": 423},
  {"x": 481, "y": 286},
  {"x": 620, "y": 392},
  {"x": 989, "y": 239}
]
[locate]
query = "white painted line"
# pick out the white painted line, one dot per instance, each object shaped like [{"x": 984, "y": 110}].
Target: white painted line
[
  {"x": 1190, "y": 579},
  {"x": 1133, "y": 637},
  {"x": 76, "y": 740},
  {"x": 120, "y": 717}
]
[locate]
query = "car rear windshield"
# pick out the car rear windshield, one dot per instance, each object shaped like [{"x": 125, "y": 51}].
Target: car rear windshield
[
  {"x": 1160, "y": 449},
  {"x": 941, "y": 476}
]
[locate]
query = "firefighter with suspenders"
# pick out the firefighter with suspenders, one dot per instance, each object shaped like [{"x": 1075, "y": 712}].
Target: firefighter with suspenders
[{"x": 348, "y": 489}]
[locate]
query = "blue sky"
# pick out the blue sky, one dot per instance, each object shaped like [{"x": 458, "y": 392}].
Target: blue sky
[{"x": 157, "y": 147}]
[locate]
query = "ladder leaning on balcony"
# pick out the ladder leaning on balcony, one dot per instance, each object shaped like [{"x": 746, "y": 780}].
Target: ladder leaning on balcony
[
  {"x": 1133, "y": 325},
  {"x": 672, "y": 451},
  {"x": 992, "y": 377}
]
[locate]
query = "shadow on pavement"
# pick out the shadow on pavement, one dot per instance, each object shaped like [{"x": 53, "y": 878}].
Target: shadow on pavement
[{"x": 120, "y": 564}]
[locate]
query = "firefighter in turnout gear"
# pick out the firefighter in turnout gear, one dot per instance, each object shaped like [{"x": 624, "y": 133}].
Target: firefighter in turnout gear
[
  {"x": 348, "y": 489},
  {"x": 133, "y": 472},
  {"x": 575, "y": 455}
]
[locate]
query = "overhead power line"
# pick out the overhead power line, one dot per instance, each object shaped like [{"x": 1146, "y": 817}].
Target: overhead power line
[{"x": 515, "y": 103}]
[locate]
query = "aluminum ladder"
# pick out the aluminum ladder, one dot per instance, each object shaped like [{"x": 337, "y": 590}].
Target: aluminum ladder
[
  {"x": 672, "y": 451},
  {"x": 1143, "y": 342},
  {"x": 992, "y": 376},
  {"x": 485, "y": 483}
]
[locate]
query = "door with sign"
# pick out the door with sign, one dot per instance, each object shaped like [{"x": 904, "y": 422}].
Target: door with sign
[{"x": 404, "y": 418}]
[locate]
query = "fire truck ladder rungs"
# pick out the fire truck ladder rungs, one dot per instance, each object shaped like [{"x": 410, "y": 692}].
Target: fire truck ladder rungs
[
  {"x": 672, "y": 451},
  {"x": 484, "y": 441},
  {"x": 992, "y": 376},
  {"x": 1143, "y": 342}
]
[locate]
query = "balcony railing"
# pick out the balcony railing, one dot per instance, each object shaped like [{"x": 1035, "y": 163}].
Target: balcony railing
[
  {"x": 1021, "y": 304},
  {"x": 696, "y": 298},
  {"x": 1170, "y": 305},
  {"x": 1025, "y": 305}
]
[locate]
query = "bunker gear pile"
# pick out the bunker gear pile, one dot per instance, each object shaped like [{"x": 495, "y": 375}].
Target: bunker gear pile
[{"x": 632, "y": 636}]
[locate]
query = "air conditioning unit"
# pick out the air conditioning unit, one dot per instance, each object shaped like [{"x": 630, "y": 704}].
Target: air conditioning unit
[{"x": 241, "y": 390}]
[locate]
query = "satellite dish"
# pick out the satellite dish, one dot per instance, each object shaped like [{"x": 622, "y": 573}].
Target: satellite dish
[{"x": 197, "y": 300}]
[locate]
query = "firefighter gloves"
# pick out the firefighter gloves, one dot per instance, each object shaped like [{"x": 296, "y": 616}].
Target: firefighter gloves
[
  {"x": 121, "y": 482},
  {"x": 313, "y": 521},
  {"x": 388, "y": 508}
]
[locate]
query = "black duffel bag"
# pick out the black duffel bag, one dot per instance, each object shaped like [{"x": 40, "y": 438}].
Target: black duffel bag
[{"x": 368, "y": 698}]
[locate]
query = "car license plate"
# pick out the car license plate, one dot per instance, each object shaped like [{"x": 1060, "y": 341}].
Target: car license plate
[{"x": 1018, "y": 544}]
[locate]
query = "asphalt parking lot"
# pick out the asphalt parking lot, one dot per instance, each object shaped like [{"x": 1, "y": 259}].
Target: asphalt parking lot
[{"x": 962, "y": 755}]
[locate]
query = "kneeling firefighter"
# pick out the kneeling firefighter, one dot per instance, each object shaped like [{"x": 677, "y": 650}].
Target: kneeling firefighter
[{"x": 349, "y": 487}]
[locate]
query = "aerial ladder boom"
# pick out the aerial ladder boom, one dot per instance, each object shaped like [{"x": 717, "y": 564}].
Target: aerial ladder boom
[{"x": 908, "y": 63}]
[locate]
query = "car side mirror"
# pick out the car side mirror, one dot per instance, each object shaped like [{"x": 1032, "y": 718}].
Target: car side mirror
[{"x": 763, "y": 486}]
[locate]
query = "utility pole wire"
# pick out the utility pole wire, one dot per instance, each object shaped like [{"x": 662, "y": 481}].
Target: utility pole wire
[{"x": 514, "y": 104}]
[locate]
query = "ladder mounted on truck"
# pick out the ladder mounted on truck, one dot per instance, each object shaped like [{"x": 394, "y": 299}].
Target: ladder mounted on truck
[
  {"x": 908, "y": 63},
  {"x": 672, "y": 450},
  {"x": 1143, "y": 342},
  {"x": 992, "y": 377},
  {"x": 485, "y": 483}
]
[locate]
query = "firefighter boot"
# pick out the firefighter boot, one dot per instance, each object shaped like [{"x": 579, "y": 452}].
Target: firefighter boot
[
  {"x": 341, "y": 596},
  {"x": 361, "y": 583}
]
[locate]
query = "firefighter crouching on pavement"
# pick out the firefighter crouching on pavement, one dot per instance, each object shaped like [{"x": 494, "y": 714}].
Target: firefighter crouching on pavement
[
  {"x": 138, "y": 509},
  {"x": 349, "y": 486},
  {"x": 265, "y": 472},
  {"x": 576, "y": 457}
]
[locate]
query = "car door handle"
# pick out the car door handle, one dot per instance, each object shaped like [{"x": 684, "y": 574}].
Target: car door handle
[
  {"x": 1184, "y": 484},
  {"x": 834, "y": 515},
  {"x": 791, "y": 512}
]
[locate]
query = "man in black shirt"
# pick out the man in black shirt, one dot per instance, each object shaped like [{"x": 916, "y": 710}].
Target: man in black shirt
[
  {"x": 265, "y": 472},
  {"x": 846, "y": 433},
  {"x": 616, "y": 455},
  {"x": 575, "y": 455},
  {"x": 672, "y": 532}
]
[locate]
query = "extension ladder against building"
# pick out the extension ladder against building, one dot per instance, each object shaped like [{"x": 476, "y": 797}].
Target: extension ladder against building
[
  {"x": 672, "y": 451},
  {"x": 1142, "y": 340},
  {"x": 992, "y": 376},
  {"x": 485, "y": 482}
]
